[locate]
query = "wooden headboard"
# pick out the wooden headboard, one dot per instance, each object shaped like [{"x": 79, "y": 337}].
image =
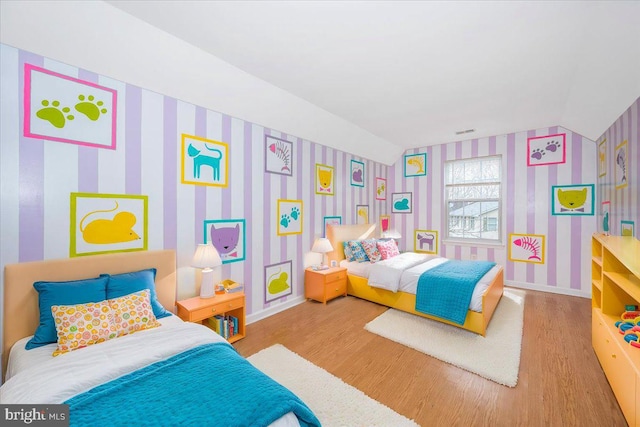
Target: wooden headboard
[
  {"x": 339, "y": 233},
  {"x": 21, "y": 313}
]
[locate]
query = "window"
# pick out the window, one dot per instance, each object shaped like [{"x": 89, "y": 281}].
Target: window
[{"x": 472, "y": 196}]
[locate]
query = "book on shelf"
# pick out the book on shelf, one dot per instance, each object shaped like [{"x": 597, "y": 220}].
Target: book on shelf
[{"x": 225, "y": 326}]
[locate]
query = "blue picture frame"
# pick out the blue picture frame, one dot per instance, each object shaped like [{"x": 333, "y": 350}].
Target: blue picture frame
[
  {"x": 221, "y": 241},
  {"x": 357, "y": 174},
  {"x": 330, "y": 220},
  {"x": 576, "y": 199},
  {"x": 415, "y": 165}
]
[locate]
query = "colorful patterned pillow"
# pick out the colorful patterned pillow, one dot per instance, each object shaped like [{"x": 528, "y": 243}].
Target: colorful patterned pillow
[
  {"x": 347, "y": 251},
  {"x": 83, "y": 324},
  {"x": 133, "y": 313},
  {"x": 371, "y": 250},
  {"x": 357, "y": 251},
  {"x": 388, "y": 248}
]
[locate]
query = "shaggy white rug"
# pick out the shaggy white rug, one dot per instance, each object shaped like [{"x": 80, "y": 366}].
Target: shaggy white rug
[
  {"x": 495, "y": 357},
  {"x": 334, "y": 402}
]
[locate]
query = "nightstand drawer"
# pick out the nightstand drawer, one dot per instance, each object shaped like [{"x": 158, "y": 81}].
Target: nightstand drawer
[
  {"x": 335, "y": 289},
  {"x": 212, "y": 310},
  {"x": 334, "y": 277}
]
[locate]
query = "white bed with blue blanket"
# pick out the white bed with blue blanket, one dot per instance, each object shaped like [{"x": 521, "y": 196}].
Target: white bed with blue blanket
[
  {"x": 178, "y": 373},
  {"x": 394, "y": 282}
]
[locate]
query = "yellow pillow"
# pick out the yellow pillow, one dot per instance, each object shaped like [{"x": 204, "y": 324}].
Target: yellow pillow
[
  {"x": 81, "y": 325},
  {"x": 133, "y": 313}
]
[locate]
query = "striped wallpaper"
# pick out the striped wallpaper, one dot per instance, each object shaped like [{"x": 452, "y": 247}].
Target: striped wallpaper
[
  {"x": 38, "y": 176},
  {"x": 625, "y": 202},
  {"x": 526, "y": 207}
]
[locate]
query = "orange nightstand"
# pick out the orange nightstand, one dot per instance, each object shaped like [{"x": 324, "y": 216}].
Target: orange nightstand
[
  {"x": 325, "y": 285},
  {"x": 200, "y": 310}
]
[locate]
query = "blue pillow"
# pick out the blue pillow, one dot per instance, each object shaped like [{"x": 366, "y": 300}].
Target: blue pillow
[
  {"x": 357, "y": 251},
  {"x": 63, "y": 293},
  {"x": 123, "y": 284},
  {"x": 347, "y": 251}
]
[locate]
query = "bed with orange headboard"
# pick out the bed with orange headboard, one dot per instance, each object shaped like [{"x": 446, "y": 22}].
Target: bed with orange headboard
[
  {"x": 130, "y": 366},
  {"x": 358, "y": 286}
]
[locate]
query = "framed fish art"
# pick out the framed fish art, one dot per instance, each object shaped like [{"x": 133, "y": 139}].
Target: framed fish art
[{"x": 278, "y": 156}]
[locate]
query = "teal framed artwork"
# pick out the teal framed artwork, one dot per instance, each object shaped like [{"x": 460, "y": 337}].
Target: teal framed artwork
[
  {"x": 415, "y": 165},
  {"x": 572, "y": 199},
  {"x": 228, "y": 236}
]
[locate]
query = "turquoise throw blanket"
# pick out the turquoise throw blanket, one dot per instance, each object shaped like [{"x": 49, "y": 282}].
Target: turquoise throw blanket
[
  {"x": 445, "y": 291},
  {"x": 209, "y": 385}
]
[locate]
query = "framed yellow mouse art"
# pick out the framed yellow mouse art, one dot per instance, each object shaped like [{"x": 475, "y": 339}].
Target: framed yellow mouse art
[{"x": 102, "y": 223}]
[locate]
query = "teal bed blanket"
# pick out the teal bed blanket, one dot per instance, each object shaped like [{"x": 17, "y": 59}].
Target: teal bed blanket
[
  {"x": 209, "y": 385},
  {"x": 445, "y": 291}
]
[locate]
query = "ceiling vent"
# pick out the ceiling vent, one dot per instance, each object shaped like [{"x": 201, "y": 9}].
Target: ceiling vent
[{"x": 460, "y": 132}]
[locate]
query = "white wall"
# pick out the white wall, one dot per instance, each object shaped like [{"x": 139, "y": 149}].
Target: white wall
[{"x": 98, "y": 37}]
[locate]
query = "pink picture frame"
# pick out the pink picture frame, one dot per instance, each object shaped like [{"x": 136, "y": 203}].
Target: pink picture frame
[
  {"x": 66, "y": 109},
  {"x": 547, "y": 150}
]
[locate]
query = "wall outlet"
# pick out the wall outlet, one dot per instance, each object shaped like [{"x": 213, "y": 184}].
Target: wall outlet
[{"x": 474, "y": 256}]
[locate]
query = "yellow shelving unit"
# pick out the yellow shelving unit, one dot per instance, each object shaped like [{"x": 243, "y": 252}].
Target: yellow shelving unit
[{"x": 615, "y": 283}]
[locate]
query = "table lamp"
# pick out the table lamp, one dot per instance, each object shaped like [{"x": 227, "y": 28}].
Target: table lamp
[
  {"x": 207, "y": 258},
  {"x": 322, "y": 246},
  {"x": 391, "y": 234}
]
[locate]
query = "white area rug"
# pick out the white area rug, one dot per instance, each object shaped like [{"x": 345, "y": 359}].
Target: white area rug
[
  {"x": 495, "y": 357},
  {"x": 334, "y": 402}
]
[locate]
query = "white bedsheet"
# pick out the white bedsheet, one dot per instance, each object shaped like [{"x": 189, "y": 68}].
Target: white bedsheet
[
  {"x": 39, "y": 378},
  {"x": 407, "y": 272}
]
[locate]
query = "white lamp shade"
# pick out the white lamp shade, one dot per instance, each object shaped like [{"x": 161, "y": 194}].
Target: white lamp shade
[
  {"x": 206, "y": 256},
  {"x": 392, "y": 234},
  {"x": 322, "y": 245}
]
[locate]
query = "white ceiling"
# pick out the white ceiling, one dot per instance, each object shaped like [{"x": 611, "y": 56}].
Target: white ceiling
[{"x": 414, "y": 73}]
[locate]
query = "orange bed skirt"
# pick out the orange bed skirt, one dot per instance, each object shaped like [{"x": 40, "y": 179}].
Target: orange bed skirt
[{"x": 476, "y": 322}]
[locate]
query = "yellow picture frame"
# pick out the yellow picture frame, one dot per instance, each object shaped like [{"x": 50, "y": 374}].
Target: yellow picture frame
[{"x": 526, "y": 248}]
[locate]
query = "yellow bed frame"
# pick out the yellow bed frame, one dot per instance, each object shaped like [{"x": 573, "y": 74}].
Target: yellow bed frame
[
  {"x": 358, "y": 286},
  {"x": 21, "y": 312}
]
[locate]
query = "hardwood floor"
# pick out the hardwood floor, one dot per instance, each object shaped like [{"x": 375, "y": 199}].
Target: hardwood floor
[{"x": 560, "y": 382}]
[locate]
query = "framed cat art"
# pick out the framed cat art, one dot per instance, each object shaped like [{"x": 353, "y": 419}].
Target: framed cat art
[
  {"x": 228, "y": 237},
  {"x": 572, "y": 199},
  {"x": 324, "y": 180},
  {"x": 204, "y": 161}
]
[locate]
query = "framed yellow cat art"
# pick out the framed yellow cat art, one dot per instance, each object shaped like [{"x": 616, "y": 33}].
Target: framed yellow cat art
[
  {"x": 572, "y": 199},
  {"x": 324, "y": 180}
]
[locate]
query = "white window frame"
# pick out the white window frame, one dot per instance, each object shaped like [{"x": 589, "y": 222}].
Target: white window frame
[{"x": 500, "y": 217}]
